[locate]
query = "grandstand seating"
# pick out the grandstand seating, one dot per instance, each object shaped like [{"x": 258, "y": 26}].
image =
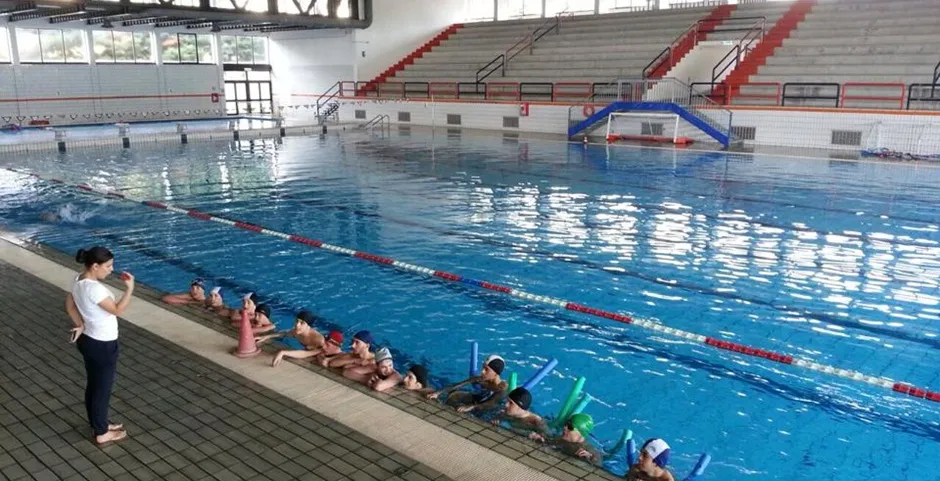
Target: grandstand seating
[
  {"x": 835, "y": 42},
  {"x": 870, "y": 41},
  {"x": 586, "y": 48}
]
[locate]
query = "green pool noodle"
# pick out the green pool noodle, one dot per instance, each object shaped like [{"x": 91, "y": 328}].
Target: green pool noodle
[
  {"x": 624, "y": 437},
  {"x": 513, "y": 381},
  {"x": 585, "y": 400},
  {"x": 569, "y": 403}
]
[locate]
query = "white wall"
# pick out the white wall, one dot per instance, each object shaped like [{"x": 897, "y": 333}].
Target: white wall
[
  {"x": 308, "y": 63},
  {"x": 912, "y": 133},
  {"x": 400, "y": 27},
  {"x": 83, "y": 93}
]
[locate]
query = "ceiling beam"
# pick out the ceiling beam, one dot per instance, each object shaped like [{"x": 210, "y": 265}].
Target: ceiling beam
[
  {"x": 34, "y": 14},
  {"x": 20, "y": 7},
  {"x": 177, "y": 23}
]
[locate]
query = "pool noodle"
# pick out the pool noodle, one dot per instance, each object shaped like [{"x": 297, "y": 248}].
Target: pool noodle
[
  {"x": 474, "y": 358},
  {"x": 582, "y": 403},
  {"x": 700, "y": 466},
  {"x": 513, "y": 381},
  {"x": 540, "y": 374},
  {"x": 569, "y": 403},
  {"x": 631, "y": 452},
  {"x": 624, "y": 437}
]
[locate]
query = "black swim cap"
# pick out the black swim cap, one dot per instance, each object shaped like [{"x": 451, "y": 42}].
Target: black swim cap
[
  {"x": 522, "y": 397},
  {"x": 421, "y": 374}
]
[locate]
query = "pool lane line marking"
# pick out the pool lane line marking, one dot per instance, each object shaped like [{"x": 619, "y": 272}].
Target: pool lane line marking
[{"x": 899, "y": 387}]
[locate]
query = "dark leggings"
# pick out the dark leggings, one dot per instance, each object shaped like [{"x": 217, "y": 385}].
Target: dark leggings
[{"x": 100, "y": 365}]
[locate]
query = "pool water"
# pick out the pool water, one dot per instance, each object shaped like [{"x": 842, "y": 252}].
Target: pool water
[{"x": 833, "y": 261}]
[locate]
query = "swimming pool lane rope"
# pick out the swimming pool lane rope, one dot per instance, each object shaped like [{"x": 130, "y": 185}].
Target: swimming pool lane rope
[{"x": 882, "y": 382}]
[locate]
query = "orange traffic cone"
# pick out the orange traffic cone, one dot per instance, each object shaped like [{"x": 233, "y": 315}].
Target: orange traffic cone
[{"x": 246, "y": 339}]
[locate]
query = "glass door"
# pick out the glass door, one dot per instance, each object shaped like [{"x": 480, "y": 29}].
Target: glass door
[{"x": 244, "y": 95}]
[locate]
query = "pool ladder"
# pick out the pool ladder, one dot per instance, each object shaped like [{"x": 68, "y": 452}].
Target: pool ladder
[{"x": 382, "y": 121}]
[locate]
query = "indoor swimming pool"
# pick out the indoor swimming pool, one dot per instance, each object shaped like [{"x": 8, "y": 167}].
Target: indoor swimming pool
[{"x": 832, "y": 261}]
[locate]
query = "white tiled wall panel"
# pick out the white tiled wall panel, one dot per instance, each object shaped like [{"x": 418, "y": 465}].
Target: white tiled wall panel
[
  {"x": 101, "y": 93},
  {"x": 917, "y": 133}
]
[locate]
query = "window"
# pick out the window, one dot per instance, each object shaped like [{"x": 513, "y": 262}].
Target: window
[
  {"x": 512, "y": 9},
  {"x": 614, "y": 6},
  {"x": 4, "y": 46},
  {"x": 481, "y": 10},
  {"x": 574, "y": 7},
  {"x": 248, "y": 5},
  {"x": 244, "y": 50},
  {"x": 51, "y": 46},
  {"x": 122, "y": 47},
  {"x": 186, "y": 48}
]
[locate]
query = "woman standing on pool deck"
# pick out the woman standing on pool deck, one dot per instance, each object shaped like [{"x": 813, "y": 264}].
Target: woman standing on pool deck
[{"x": 94, "y": 314}]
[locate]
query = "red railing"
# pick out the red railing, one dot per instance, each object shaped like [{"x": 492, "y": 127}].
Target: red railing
[
  {"x": 502, "y": 90},
  {"x": 887, "y": 87},
  {"x": 764, "y": 94},
  {"x": 774, "y": 92},
  {"x": 347, "y": 88},
  {"x": 391, "y": 89},
  {"x": 443, "y": 90},
  {"x": 572, "y": 91}
]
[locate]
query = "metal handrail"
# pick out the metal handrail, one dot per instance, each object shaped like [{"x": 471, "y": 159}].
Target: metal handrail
[
  {"x": 526, "y": 42},
  {"x": 914, "y": 88},
  {"x": 936, "y": 78},
  {"x": 382, "y": 120},
  {"x": 754, "y": 33},
  {"x": 338, "y": 86},
  {"x": 693, "y": 29},
  {"x": 668, "y": 50},
  {"x": 500, "y": 65}
]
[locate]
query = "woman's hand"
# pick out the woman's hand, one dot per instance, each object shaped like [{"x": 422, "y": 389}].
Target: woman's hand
[
  {"x": 76, "y": 333},
  {"x": 466, "y": 409},
  {"x": 128, "y": 279},
  {"x": 434, "y": 395},
  {"x": 537, "y": 437}
]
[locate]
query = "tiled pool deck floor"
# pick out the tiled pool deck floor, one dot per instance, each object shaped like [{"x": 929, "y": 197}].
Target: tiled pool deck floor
[{"x": 193, "y": 411}]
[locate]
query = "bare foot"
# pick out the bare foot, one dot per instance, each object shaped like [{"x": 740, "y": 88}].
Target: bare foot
[
  {"x": 110, "y": 437},
  {"x": 115, "y": 427}
]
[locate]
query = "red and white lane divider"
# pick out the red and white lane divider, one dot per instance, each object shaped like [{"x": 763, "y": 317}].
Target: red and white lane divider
[{"x": 882, "y": 382}]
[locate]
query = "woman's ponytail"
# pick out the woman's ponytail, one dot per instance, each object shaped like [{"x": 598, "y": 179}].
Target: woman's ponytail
[{"x": 92, "y": 256}]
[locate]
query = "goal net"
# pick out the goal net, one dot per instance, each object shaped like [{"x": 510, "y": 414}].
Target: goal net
[{"x": 649, "y": 127}]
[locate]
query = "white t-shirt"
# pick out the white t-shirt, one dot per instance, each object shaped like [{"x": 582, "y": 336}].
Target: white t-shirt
[{"x": 99, "y": 323}]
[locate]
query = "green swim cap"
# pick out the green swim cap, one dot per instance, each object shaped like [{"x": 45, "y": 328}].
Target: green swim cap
[{"x": 583, "y": 423}]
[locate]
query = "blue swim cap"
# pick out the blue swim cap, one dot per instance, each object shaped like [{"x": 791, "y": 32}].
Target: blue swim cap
[
  {"x": 366, "y": 337},
  {"x": 658, "y": 450}
]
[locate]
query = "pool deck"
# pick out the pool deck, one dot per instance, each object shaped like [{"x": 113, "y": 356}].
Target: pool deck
[{"x": 194, "y": 411}]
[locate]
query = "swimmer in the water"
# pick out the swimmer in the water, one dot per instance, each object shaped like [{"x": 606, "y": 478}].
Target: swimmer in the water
[
  {"x": 380, "y": 376},
  {"x": 489, "y": 392},
  {"x": 573, "y": 440},
  {"x": 360, "y": 353},
  {"x": 304, "y": 332},
  {"x": 50, "y": 217},
  {"x": 196, "y": 294},
  {"x": 417, "y": 380},
  {"x": 517, "y": 415},
  {"x": 331, "y": 348},
  {"x": 651, "y": 465},
  {"x": 215, "y": 303}
]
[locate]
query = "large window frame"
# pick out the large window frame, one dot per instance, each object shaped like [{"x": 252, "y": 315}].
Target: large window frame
[
  {"x": 6, "y": 55},
  {"x": 49, "y": 49},
  {"x": 139, "y": 53},
  {"x": 244, "y": 50},
  {"x": 202, "y": 46}
]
